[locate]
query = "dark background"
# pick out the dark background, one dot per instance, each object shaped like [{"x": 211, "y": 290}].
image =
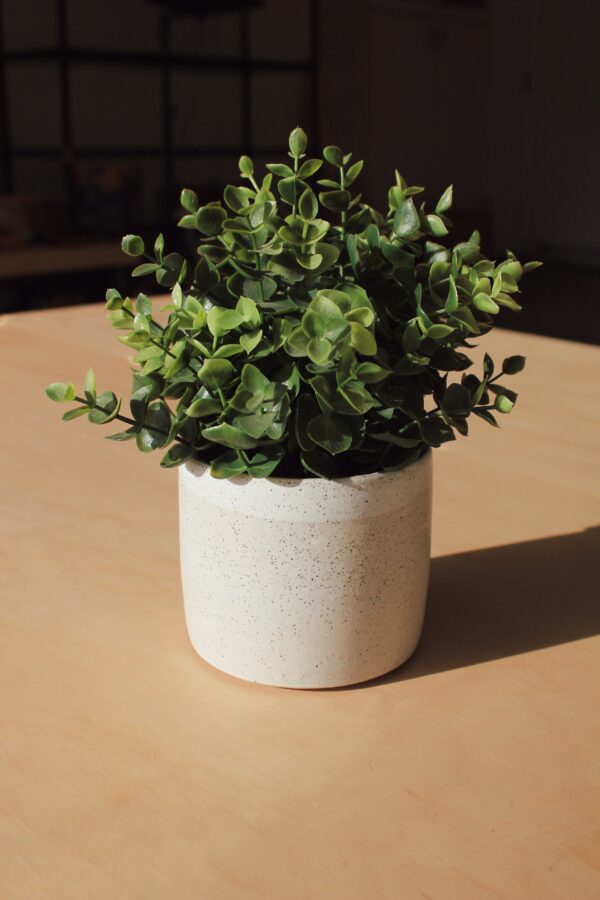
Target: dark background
[{"x": 108, "y": 107}]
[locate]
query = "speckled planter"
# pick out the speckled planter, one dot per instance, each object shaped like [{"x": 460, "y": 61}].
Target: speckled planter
[{"x": 305, "y": 583}]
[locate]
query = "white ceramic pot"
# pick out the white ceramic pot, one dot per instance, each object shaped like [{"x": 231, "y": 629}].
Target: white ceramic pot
[{"x": 305, "y": 583}]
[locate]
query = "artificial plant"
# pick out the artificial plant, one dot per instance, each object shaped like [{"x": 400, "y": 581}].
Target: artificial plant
[{"x": 312, "y": 334}]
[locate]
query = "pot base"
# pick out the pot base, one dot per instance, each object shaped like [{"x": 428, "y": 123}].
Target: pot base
[
  {"x": 313, "y": 686},
  {"x": 305, "y": 583}
]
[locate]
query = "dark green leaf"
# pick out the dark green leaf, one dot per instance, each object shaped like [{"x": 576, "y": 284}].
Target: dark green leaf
[
  {"x": 209, "y": 219},
  {"x": 512, "y": 365},
  {"x": 106, "y": 409},
  {"x": 176, "y": 455},
  {"x": 331, "y": 433}
]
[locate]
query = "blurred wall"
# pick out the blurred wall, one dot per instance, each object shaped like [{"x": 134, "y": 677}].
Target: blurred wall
[
  {"x": 119, "y": 106},
  {"x": 498, "y": 96}
]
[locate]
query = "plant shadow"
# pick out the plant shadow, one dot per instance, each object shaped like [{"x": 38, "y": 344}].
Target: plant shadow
[{"x": 502, "y": 601}]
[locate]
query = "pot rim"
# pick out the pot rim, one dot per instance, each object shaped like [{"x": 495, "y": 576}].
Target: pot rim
[{"x": 196, "y": 464}]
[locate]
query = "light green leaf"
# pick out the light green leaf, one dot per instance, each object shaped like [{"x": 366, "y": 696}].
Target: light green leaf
[
  {"x": 215, "y": 373},
  {"x": 61, "y": 392},
  {"x": 406, "y": 219},
  {"x": 220, "y": 321},
  {"x": 362, "y": 340},
  {"x": 445, "y": 201}
]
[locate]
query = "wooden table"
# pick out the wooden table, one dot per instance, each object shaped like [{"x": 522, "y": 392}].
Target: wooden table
[{"x": 131, "y": 769}]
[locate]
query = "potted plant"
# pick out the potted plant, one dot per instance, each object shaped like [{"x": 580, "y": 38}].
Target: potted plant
[{"x": 305, "y": 365}]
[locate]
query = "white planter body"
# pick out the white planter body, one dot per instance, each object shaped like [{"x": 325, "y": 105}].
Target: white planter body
[{"x": 305, "y": 583}]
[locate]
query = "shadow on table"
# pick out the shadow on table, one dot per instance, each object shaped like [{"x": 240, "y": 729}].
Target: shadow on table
[{"x": 489, "y": 604}]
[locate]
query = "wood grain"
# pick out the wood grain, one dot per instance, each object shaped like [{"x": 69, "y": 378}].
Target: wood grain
[{"x": 130, "y": 769}]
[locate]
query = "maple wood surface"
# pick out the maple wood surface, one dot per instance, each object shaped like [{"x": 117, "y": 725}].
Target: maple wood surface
[{"x": 131, "y": 769}]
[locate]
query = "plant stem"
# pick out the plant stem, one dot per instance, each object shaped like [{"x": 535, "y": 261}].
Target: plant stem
[
  {"x": 133, "y": 422},
  {"x": 343, "y": 213},
  {"x": 295, "y": 190}
]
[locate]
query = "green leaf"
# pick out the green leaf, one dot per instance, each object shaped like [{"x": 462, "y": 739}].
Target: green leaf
[
  {"x": 362, "y": 340},
  {"x": 307, "y": 408},
  {"x": 397, "y": 440},
  {"x": 254, "y": 424},
  {"x": 248, "y": 309},
  {"x": 280, "y": 169},
  {"x": 485, "y": 303},
  {"x": 75, "y": 413},
  {"x": 445, "y": 201},
  {"x": 106, "y": 409},
  {"x": 331, "y": 433},
  {"x": 251, "y": 340},
  {"x": 337, "y": 201},
  {"x": 154, "y": 432},
  {"x": 209, "y": 219},
  {"x": 229, "y": 436},
  {"x": 334, "y": 155},
  {"x": 89, "y": 386},
  {"x": 176, "y": 455},
  {"x": 145, "y": 269},
  {"x": 503, "y": 404},
  {"x": 530, "y": 266},
  {"x": 406, "y": 219},
  {"x": 488, "y": 366},
  {"x": 457, "y": 400},
  {"x": 246, "y": 166},
  {"x": 452, "y": 299},
  {"x": 308, "y": 168},
  {"x": 436, "y": 225},
  {"x": 260, "y": 290},
  {"x": 318, "y": 350},
  {"x": 264, "y": 462},
  {"x": 188, "y": 221},
  {"x": 297, "y": 342},
  {"x": 439, "y": 332},
  {"x": 307, "y": 205},
  {"x": 371, "y": 373},
  {"x": 227, "y": 465},
  {"x": 237, "y": 198},
  {"x": 126, "y": 435},
  {"x": 132, "y": 245},
  {"x": 220, "y": 321},
  {"x": 412, "y": 336},
  {"x": 512, "y": 365},
  {"x": 253, "y": 379},
  {"x": 319, "y": 463},
  {"x": 170, "y": 270},
  {"x": 487, "y": 416},
  {"x": 435, "y": 431},
  {"x": 189, "y": 200},
  {"x": 297, "y": 142},
  {"x": 203, "y": 404},
  {"x": 114, "y": 300},
  {"x": 61, "y": 392},
  {"x": 216, "y": 372},
  {"x": 353, "y": 173}
]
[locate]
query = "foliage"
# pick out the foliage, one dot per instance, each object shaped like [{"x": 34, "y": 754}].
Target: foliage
[{"x": 314, "y": 335}]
